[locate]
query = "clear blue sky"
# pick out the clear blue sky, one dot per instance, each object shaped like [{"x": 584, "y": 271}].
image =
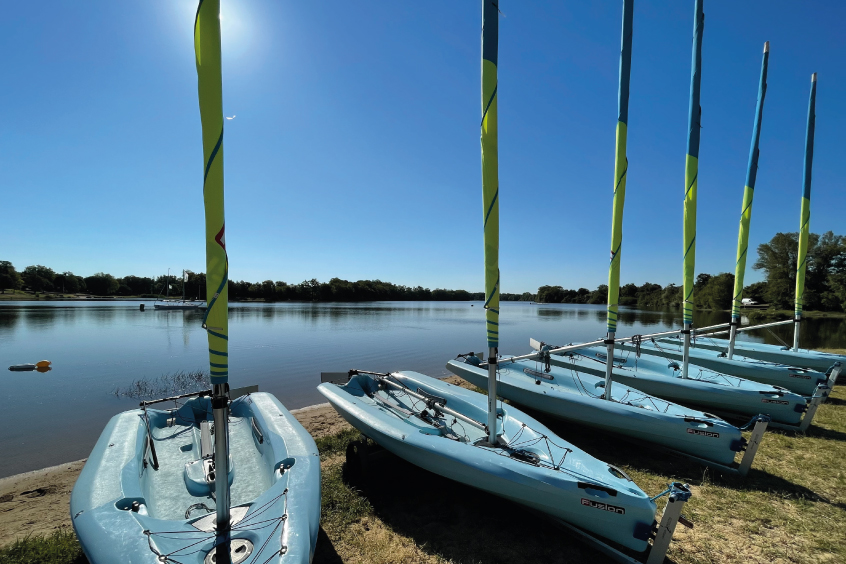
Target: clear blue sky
[{"x": 355, "y": 147}]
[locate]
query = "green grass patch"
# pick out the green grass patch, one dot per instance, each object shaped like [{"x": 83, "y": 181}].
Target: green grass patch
[{"x": 59, "y": 548}]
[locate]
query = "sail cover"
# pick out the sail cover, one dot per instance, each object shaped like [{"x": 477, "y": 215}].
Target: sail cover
[
  {"x": 490, "y": 174},
  {"x": 805, "y": 220},
  {"x": 207, "y": 50},
  {"x": 748, "y": 192},
  {"x": 621, "y": 165},
  {"x": 692, "y": 166}
]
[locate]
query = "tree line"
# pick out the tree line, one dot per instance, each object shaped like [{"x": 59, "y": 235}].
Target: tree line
[
  {"x": 41, "y": 279},
  {"x": 825, "y": 280},
  {"x": 825, "y": 284}
]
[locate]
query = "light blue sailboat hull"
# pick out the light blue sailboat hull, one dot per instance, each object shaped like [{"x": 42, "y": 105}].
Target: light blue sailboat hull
[
  {"x": 572, "y": 486},
  {"x": 702, "y": 388},
  {"x": 263, "y": 437},
  {"x": 804, "y": 358},
  {"x": 799, "y": 380},
  {"x": 575, "y": 397}
]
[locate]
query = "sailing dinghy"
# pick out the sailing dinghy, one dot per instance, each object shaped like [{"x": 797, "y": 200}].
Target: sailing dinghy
[
  {"x": 578, "y": 396},
  {"x": 440, "y": 428},
  {"x": 782, "y": 354},
  {"x": 798, "y": 380},
  {"x": 217, "y": 478},
  {"x": 476, "y": 440},
  {"x": 703, "y": 388}
]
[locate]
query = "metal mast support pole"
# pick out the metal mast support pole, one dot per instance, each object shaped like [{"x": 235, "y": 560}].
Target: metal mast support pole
[
  {"x": 805, "y": 219},
  {"x": 690, "y": 177},
  {"x": 492, "y": 354},
  {"x": 621, "y": 166},
  {"x": 220, "y": 411}
]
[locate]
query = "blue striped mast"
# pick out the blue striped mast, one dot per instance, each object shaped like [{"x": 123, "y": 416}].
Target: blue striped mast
[
  {"x": 621, "y": 165},
  {"x": 691, "y": 181},
  {"x": 746, "y": 208},
  {"x": 805, "y": 214},
  {"x": 490, "y": 196}
]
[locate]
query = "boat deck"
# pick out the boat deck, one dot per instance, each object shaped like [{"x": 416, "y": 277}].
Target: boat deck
[{"x": 176, "y": 446}]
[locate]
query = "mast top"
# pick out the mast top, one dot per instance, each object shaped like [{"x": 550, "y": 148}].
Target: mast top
[
  {"x": 814, "y": 77},
  {"x": 766, "y": 46}
]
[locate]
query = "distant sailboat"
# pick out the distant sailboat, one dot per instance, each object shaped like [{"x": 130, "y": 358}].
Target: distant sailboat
[{"x": 182, "y": 304}]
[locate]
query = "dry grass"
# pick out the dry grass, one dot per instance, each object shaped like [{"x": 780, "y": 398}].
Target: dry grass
[{"x": 791, "y": 508}]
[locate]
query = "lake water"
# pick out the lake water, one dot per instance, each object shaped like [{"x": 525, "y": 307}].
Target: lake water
[{"x": 97, "y": 347}]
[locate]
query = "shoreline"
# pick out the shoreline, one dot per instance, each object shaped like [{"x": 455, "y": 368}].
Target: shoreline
[{"x": 37, "y": 502}]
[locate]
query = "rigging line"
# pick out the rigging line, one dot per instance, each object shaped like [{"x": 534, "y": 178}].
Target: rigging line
[{"x": 279, "y": 522}]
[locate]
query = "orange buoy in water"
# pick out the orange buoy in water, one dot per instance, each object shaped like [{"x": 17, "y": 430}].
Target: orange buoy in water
[{"x": 43, "y": 364}]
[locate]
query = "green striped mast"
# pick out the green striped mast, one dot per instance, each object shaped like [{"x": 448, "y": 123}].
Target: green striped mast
[
  {"x": 621, "y": 165},
  {"x": 216, "y": 321},
  {"x": 690, "y": 181},
  {"x": 805, "y": 219},
  {"x": 490, "y": 197},
  {"x": 746, "y": 209}
]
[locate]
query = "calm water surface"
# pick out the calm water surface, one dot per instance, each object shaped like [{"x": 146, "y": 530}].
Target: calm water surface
[{"x": 96, "y": 347}]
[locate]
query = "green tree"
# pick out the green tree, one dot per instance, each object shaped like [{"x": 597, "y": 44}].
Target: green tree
[
  {"x": 38, "y": 278},
  {"x": 68, "y": 282},
  {"x": 102, "y": 284},
  {"x": 756, "y": 292},
  {"x": 716, "y": 292},
  {"x": 550, "y": 294},
  {"x": 599, "y": 296},
  {"x": 9, "y": 277},
  {"x": 778, "y": 258}
]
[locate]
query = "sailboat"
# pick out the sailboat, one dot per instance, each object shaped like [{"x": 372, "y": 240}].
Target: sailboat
[
  {"x": 177, "y": 304},
  {"x": 584, "y": 393},
  {"x": 671, "y": 381},
  {"x": 478, "y": 441},
  {"x": 216, "y": 477},
  {"x": 800, "y": 380},
  {"x": 786, "y": 354}
]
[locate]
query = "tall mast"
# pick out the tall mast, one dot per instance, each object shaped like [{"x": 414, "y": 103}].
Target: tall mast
[
  {"x": 805, "y": 220},
  {"x": 746, "y": 210},
  {"x": 690, "y": 181},
  {"x": 183, "y": 284},
  {"x": 216, "y": 322},
  {"x": 490, "y": 197},
  {"x": 621, "y": 165}
]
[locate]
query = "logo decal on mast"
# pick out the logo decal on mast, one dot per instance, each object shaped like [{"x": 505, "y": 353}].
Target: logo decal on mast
[{"x": 221, "y": 237}]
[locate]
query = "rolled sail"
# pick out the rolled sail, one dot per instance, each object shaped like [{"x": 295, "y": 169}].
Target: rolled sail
[
  {"x": 207, "y": 50},
  {"x": 805, "y": 220},
  {"x": 490, "y": 174},
  {"x": 621, "y": 165},
  {"x": 748, "y": 191},
  {"x": 692, "y": 166}
]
